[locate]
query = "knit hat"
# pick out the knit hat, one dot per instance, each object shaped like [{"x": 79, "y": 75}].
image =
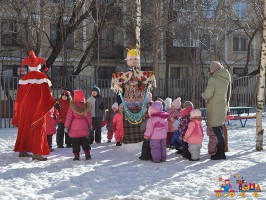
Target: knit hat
[
  {"x": 115, "y": 105},
  {"x": 188, "y": 103},
  {"x": 195, "y": 113},
  {"x": 157, "y": 106},
  {"x": 168, "y": 102},
  {"x": 215, "y": 66},
  {"x": 95, "y": 88},
  {"x": 67, "y": 93},
  {"x": 177, "y": 103},
  {"x": 79, "y": 96}
]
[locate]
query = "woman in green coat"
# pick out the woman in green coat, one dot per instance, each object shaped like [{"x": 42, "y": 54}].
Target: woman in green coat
[{"x": 217, "y": 95}]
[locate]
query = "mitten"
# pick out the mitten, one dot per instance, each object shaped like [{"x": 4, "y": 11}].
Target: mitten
[
  {"x": 57, "y": 106},
  {"x": 66, "y": 130}
]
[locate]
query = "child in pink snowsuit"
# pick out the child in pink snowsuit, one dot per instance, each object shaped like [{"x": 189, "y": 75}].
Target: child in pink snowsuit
[
  {"x": 156, "y": 131},
  {"x": 194, "y": 135},
  {"x": 118, "y": 127},
  {"x": 78, "y": 121}
]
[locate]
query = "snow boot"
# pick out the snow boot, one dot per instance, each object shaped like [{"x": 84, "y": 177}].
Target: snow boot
[
  {"x": 87, "y": 154},
  {"x": 119, "y": 144},
  {"x": 220, "y": 155},
  {"x": 24, "y": 154},
  {"x": 38, "y": 157},
  {"x": 76, "y": 156}
]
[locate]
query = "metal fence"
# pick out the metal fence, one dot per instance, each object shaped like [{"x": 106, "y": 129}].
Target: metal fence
[{"x": 244, "y": 91}]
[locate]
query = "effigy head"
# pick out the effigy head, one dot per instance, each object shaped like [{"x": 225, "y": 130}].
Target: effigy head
[{"x": 133, "y": 57}]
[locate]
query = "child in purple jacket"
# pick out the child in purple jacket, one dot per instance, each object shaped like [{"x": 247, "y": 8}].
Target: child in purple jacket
[
  {"x": 156, "y": 131},
  {"x": 78, "y": 121}
]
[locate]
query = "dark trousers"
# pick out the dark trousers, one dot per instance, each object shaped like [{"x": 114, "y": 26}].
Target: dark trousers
[
  {"x": 145, "y": 150},
  {"x": 218, "y": 131},
  {"x": 96, "y": 130},
  {"x": 82, "y": 141},
  {"x": 49, "y": 140},
  {"x": 186, "y": 153},
  {"x": 60, "y": 134}
]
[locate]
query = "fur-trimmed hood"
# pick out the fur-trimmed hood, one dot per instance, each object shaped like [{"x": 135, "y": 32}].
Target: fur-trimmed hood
[{"x": 79, "y": 107}]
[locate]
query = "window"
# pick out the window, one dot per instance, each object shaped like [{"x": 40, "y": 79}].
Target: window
[
  {"x": 146, "y": 6},
  {"x": 207, "y": 42},
  {"x": 146, "y": 68},
  {"x": 57, "y": 71},
  {"x": 53, "y": 35},
  {"x": 55, "y": 1},
  {"x": 238, "y": 71},
  {"x": 208, "y": 8},
  {"x": 175, "y": 73},
  {"x": 11, "y": 73},
  {"x": 105, "y": 72},
  {"x": 182, "y": 4},
  {"x": 108, "y": 37},
  {"x": 185, "y": 38},
  {"x": 239, "y": 43},
  {"x": 9, "y": 34},
  {"x": 240, "y": 10}
]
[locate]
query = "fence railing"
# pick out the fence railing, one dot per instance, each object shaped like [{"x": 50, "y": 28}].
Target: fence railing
[{"x": 244, "y": 91}]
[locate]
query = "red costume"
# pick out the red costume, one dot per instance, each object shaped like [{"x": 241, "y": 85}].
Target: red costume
[{"x": 33, "y": 101}]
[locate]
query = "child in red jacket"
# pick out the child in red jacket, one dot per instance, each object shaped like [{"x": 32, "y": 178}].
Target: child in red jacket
[
  {"x": 78, "y": 122},
  {"x": 51, "y": 118},
  {"x": 118, "y": 127},
  {"x": 63, "y": 104}
]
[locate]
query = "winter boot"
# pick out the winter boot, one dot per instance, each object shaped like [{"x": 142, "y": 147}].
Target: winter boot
[
  {"x": 76, "y": 156},
  {"x": 220, "y": 155},
  {"x": 87, "y": 154},
  {"x": 38, "y": 157},
  {"x": 119, "y": 144},
  {"x": 24, "y": 154}
]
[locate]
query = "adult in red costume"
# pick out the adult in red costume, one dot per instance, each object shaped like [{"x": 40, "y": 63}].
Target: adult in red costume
[{"x": 33, "y": 101}]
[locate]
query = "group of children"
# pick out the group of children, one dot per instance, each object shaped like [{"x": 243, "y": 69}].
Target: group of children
[
  {"x": 77, "y": 120},
  {"x": 165, "y": 124},
  {"x": 170, "y": 125}
]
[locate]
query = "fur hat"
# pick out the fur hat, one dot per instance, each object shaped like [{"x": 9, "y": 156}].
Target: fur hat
[
  {"x": 79, "y": 96},
  {"x": 188, "y": 103},
  {"x": 67, "y": 93},
  {"x": 95, "y": 88},
  {"x": 157, "y": 106},
  {"x": 177, "y": 103},
  {"x": 115, "y": 105},
  {"x": 195, "y": 113},
  {"x": 215, "y": 66}
]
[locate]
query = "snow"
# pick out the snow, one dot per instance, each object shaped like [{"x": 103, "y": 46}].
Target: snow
[{"x": 117, "y": 173}]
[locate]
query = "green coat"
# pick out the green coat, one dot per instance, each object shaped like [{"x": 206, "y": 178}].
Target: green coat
[{"x": 216, "y": 98}]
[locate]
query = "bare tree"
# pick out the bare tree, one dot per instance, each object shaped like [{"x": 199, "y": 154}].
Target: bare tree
[{"x": 261, "y": 88}]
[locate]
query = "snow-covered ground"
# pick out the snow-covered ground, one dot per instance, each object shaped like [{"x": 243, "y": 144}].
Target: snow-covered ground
[{"x": 117, "y": 173}]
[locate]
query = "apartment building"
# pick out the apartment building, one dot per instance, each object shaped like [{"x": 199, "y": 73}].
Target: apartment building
[{"x": 197, "y": 33}]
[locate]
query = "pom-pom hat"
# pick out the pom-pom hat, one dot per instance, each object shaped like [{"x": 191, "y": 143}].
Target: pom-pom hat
[
  {"x": 188, "y": 104},
  {"x": 157, "y": 106},
  {"x": 177, "y": 103},
  {"x": 115, "y": 105},
  {"x": 79, "y": 96},
  {"x": 95, "y": 88},
  {"x": 195, "y": 113}
]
